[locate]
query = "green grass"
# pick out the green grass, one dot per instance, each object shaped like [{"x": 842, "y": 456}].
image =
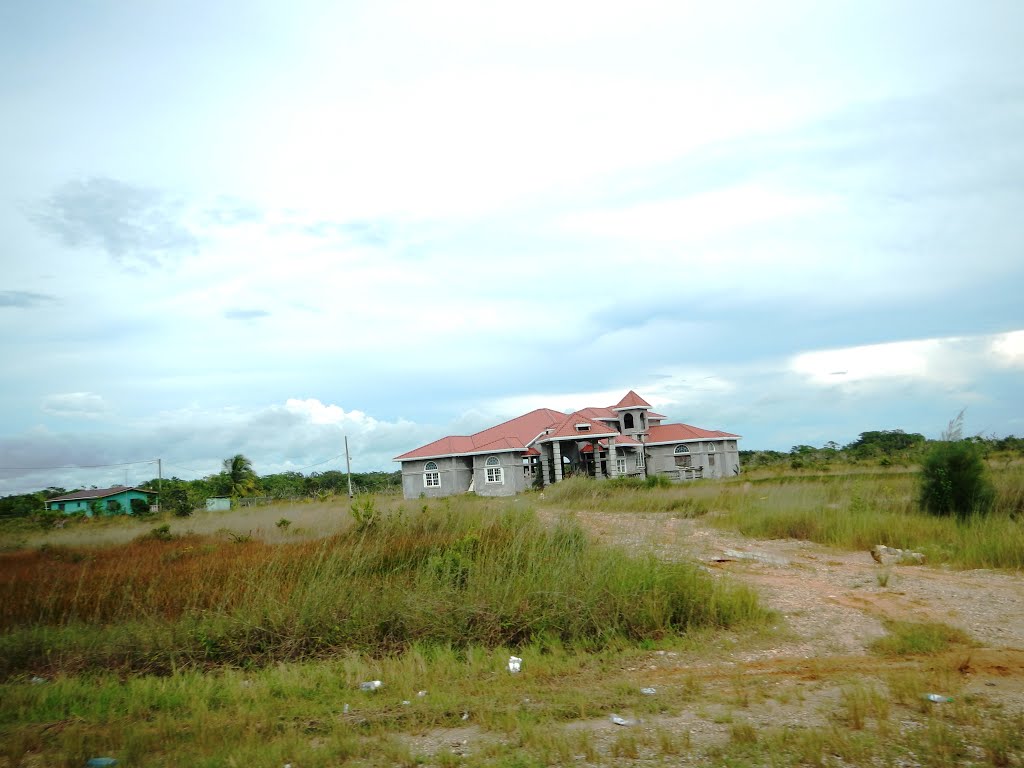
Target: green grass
[
  {"x": 459, "y": 575},
  {"x": 625, "y": 495},
  {"x": 907, "y": 638},
  {"x": 859, "y": 511}
]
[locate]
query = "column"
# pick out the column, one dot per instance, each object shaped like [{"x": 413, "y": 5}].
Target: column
[
  {"x": 544, "y": 465},
  {"x": 613, "y": 467},
  {"x": 556, "y": 448}
]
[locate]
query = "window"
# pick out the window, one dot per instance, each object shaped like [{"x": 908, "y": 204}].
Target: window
[
  {"x": 494, "y": 472},
  {"x": 620, "y": 466},
  {"x": 627, "y": 421},
  {"x": 711, "y": 447},
  {"x": 431, "y": 477},
  {"x": 639, "y": 459},
  {"x": 711, "y": 460},
  {"x": 682, "y": 454},
  {"x": 582, "y": 427}
]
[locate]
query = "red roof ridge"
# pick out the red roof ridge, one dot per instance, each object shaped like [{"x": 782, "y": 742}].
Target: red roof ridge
[
  {"x": 631, "y": 400},
  {"x": 567, "y": 428}
]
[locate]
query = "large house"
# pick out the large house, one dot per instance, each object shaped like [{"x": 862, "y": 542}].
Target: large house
[
  {"x": 111, "y": 501},
  {"x": 545, "y": 446}
]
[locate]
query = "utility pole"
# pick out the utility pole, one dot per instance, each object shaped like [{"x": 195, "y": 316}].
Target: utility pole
[
  {"x": 348, "y": 467},
  {"x": 159, "y": 484}
]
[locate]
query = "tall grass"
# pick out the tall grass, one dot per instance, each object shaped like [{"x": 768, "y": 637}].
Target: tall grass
[
  {"x": 859, "y": 512},
  {"x": 656, "y": 494},
  {"x": 458, "y": 576}
]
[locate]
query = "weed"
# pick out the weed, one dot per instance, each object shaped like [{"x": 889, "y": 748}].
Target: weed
[
  {"x": 883, "y": 576},
  {"x": 283, "y": 524},
  {"x": 364, "y": 513},
  {"x": 162, "y": 533},
  {"x": 742, "y": 733},
  {"x": 916, "y": 639}
]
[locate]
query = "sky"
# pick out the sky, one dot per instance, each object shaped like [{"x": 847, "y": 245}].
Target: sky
[{"x": 259, "y": 227}]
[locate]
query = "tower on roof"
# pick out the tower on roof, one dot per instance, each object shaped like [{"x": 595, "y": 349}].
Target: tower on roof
[
  {"x": 632, "y": 410},
  {"x": 631, "y": 400}
]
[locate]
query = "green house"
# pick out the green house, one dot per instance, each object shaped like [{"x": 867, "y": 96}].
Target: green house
[{"x": 112, "y": 501}]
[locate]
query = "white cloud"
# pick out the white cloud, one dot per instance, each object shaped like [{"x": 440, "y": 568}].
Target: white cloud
[
  {"x": 76, "y": 405},
  {"x": 952, "y": 360},
  {"x": 697, "y": 217},
  {"x": 1008, "y": 349}
]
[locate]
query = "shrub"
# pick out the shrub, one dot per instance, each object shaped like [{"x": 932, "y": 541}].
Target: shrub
[{"x": 954, "y": 480}]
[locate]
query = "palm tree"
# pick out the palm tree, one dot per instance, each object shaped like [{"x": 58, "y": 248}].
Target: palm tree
[{"x": 242, "y": 480}]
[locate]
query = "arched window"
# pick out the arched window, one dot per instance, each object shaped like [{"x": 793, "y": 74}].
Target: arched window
[
  {"x": 431, "y": 477},
  {"x": 682, "y": 455},
  {"x": 711, "y": 451},
  {"x": 493, "y": 470},
  {"x": 627, "y": 421},
  {"x": 711, "y": 447}
]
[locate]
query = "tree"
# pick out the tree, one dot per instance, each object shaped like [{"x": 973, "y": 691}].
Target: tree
[
  {"x": 241, "y": 479},
  {"x": 954, "y": 479}
]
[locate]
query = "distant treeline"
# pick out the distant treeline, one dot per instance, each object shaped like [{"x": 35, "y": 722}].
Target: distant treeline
[
  {"x": 182, "y": 496},
  {"x": 883, "y": 447}
]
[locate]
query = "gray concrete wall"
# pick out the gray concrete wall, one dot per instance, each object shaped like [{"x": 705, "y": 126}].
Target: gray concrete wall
[
  {"x": 513, "y": 480},
  {"x": 455, "y": 476},
  {"x": 726, "y": 453}
]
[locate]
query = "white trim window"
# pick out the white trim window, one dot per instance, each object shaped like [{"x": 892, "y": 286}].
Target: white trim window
[
  {"x": 682, "y": 456},
  {"x": 431, "y": 477},
  {"x": 638, "y": 459},
  {"x": 620, "y": 466},
  {"x": 492, "y": 467},
  {"x": 711, "y": 447}
]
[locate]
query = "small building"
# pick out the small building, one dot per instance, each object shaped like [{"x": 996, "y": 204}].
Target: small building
[
  {"x": 116, "y": 500},
  {"x": 545, "y": 446},
  {"x": 218, "y": 504}
]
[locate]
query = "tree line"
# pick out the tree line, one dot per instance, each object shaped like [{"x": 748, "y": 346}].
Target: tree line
[
  {"x": 236, "y": 480},
  {"x": 890, "y": 447}
]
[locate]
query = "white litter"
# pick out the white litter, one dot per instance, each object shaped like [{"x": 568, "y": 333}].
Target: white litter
[
  {"x": 648, "y": 691},
  {"x": 371, "y": 685},
  {"x": 514, "y": 664},
  {"x": 622, "y": 720}
]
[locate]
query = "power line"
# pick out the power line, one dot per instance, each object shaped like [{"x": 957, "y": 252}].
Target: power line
[
  {"x": 299, "y": 469},
  {"x": 78, "y": 466}
]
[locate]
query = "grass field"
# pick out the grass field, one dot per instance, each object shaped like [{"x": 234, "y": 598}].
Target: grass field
[{"x": 236, "y": 639}]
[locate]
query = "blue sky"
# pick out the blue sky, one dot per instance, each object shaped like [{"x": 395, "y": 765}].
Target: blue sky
[{"x": 257, "y": 227}]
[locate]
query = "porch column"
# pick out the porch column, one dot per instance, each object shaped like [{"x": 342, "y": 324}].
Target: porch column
[
  {"x": 613, "y": 467},
  {"x": 544, "y": 465},
  {"x": 556, "y": 448},
  {"x": 597, "y": 458}
]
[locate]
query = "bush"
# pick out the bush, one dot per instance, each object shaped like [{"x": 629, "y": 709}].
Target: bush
[{"x": 954, "y": 481}]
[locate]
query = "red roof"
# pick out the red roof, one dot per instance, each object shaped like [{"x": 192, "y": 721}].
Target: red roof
[
  {"x": 677, "y": 433},
  {"x": 631, "y": 400},
  {"x": 569, "y": 429},
  {"x": 519, "y": 434},
  {"x": 600, "y": 413},
  {"x": 512, "y": 435}
]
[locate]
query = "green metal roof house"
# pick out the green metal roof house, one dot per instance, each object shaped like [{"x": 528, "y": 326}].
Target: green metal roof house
[{"x": 114, "y": 501}]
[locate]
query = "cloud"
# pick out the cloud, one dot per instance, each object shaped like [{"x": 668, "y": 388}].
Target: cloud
[
  {"x": 301, "y": 434},
  {"x": 75, "y": 405},
  {"x": 24, "y": 299},
  {"x": 948, "y": 361},
  {"x": 135, "y": 226},
  {"x": 1008, "y": 349},
  {"x": 245, "y": 314}
]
